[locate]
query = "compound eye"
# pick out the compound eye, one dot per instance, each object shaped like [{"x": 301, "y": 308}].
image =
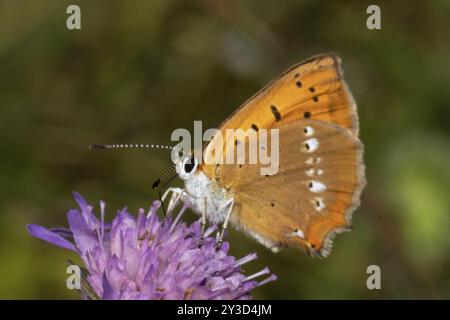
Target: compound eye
[{"x": 189, "y": 164}]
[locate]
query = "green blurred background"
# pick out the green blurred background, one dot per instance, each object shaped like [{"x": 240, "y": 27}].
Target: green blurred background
[{"x": 139, "y": 69}]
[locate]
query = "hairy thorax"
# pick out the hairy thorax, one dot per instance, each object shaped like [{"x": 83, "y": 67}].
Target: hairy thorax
[{"x": 206, "y": 196}]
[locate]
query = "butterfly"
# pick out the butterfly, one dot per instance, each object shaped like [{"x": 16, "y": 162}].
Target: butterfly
[{"x": 320, "y": 173}]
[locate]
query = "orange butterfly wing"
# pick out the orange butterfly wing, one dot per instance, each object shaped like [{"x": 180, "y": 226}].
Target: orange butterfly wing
[
  {"x": 310, "y": 92},
  {"x": 312, "y": 89},
  {"x": 313, "y": 193}
]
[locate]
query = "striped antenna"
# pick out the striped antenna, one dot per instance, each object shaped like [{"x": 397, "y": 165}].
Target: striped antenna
[
  {"x": 128, "y": 146},
  {"x": 158, "y": 182},
  {"x": 163, "y": 177}
]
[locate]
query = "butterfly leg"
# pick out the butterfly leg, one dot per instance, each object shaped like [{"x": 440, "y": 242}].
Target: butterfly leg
[
  {"x": 203, "y": 222},
  {"x": 174, "y": 200},
  {"x": 176, "y": 195},
  {"x": 169, "y": 190},
  {"x": 230, "y": 205}
]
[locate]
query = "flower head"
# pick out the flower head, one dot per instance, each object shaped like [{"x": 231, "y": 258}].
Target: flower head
[{"x": 150, "y": 258}]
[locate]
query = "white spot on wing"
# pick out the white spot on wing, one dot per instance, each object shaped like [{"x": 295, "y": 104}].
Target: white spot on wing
[
  {"x": 317, "y": 186},
  {"x": 310, "y": 172},
  {"x": 309, "y": 161},
  {"x": 309, "y": 131},
  {"x": 319, "y": 205},
  {"x": 311, "y": 144},
  {"x": 319, "y": 172},
  {"x": 299, "y": 233}
]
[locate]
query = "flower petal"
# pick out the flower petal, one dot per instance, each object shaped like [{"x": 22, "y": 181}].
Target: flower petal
[
  {"x": 80, "y": 200},
  {"x": 49, "y": 236},
  {"x": 108, "y": 291},
  {"x": 86, "y": 211},
  {"x": 84, "y": 237}
]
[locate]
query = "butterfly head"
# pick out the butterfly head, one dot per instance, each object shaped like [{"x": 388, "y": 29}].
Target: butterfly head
[{"x": 187, "y": 166}]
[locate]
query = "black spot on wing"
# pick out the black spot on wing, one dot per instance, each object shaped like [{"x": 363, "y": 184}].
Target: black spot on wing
[{"x": 276, "y": 113}]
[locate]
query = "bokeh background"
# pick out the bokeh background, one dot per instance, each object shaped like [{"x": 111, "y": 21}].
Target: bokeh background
[{"x": 139, "y": 69}]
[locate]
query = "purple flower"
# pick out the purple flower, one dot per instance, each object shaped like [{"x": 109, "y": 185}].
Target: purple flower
[{"x": 150, "y": 258}]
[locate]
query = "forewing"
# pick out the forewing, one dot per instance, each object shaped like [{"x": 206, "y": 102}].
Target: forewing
[{"x": 311, "y": 90}]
